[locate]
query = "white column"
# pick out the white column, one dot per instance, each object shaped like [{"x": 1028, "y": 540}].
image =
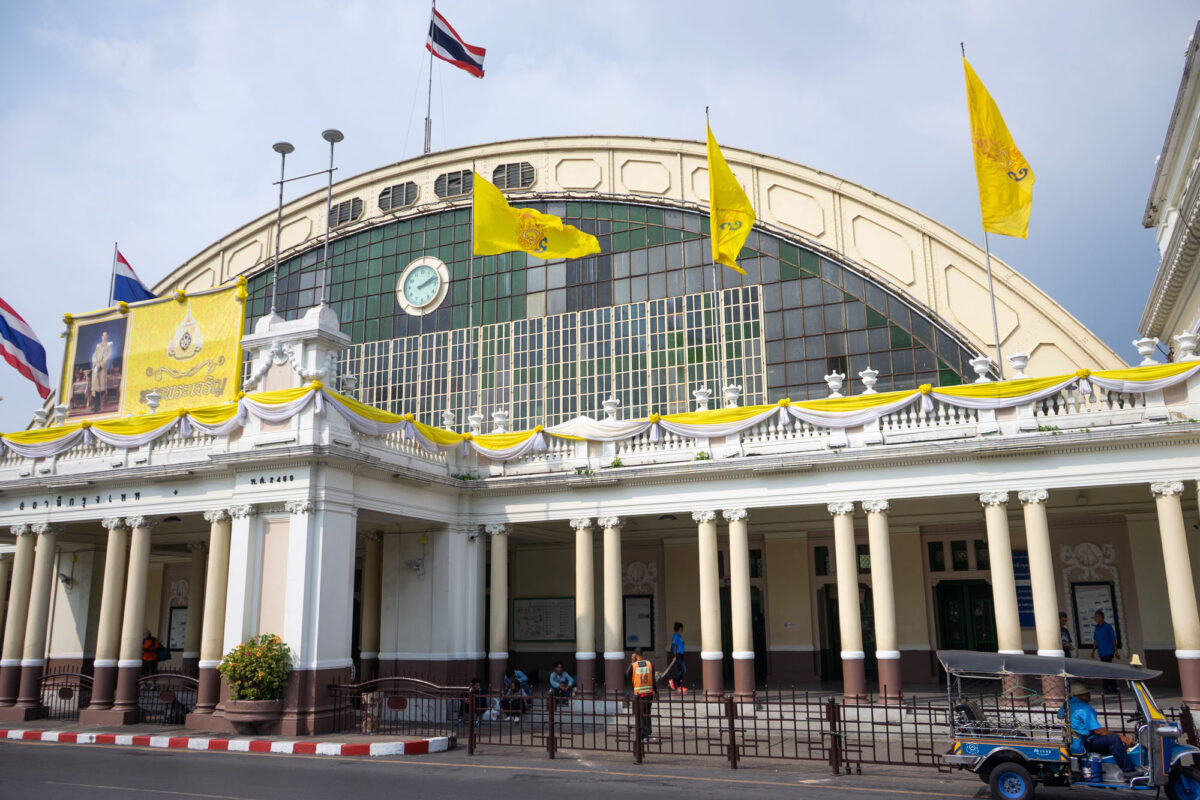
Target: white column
[
  {"x": 585, "y": 605},
  {"x": 739, "y": 601},
  {"x": 498, "y": 638},
  {"x": 1004, "y": 583},
  {"x": 1185, "y": 620},
  {"x": 133, "y": 624},
  {"x": 212, "y": 634},
  {"x": 614, "y": 608},
  {"x": 1041, "y": 571},
  {"x": 17, "y": 615},
  {"x": 845, "y": 556},
  {"x": 712, "y": 651},
  {"x": 33, "y": 656},
  {"x": 112, "y": 601},
  {"x": 195, "y": 606},
  {"x": 243, "y": 577},
  {"x": 883, "y": 597}
]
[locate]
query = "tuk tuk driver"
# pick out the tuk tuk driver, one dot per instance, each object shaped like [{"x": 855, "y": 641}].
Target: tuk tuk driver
[{"x": 1089, "y": 734}]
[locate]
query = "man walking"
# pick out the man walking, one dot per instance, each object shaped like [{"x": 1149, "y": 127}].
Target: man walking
[
  {"x": 676, "y": 655},
  {"x": 1064, "y": 633},
  {"x": 1104, "y": 645}
]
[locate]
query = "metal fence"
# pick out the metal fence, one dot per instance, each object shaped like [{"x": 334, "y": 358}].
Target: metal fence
[
  {"x": 400, "y": 706},
  {"x": 64, "y": 693},
  {"x": 166, "y": 698}
]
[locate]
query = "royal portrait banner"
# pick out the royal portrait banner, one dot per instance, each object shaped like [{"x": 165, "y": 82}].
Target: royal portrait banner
[{"x": 184, "y": 350}]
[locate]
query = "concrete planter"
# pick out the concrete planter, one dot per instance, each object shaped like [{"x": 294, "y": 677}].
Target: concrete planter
[{"x": 252, "y": 716}]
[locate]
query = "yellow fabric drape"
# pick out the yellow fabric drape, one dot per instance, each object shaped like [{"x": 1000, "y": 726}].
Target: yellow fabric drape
[
  {"x": 716, "y": 416},
  {"x": 501, "y": 441},
  {"x": 1151, "y": 373},
  {"x": 1003, "y": 389},
  {"x": 136, "y": 426},
  {"x": 855, "y": 402},
  {"x": 40, "y": 435},
  {"x": 214, "y": 415}
]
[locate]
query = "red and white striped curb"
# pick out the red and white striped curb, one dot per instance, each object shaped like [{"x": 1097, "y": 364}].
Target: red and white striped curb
[{"x": 415, "y": 747}]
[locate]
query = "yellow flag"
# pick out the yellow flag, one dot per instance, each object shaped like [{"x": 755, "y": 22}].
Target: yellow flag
[
  {"x": 500, "y": 228},
  {"x": 730, "y": 214},
  {"x": 1005, "y": 178}
]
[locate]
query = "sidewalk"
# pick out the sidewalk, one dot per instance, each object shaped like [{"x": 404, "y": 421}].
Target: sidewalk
[{"x": 179, "y": 738}]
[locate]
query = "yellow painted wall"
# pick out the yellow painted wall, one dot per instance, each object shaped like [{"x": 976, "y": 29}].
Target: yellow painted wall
[
  {"x": 908, "y": 577},
  {"x": 681, "y": 593},
  {"x": 271, "y": 598},
  {"x": 789, "y": 596},
  {"x": 1150, "y": 577},
  {"x": 543, "y": 572}
]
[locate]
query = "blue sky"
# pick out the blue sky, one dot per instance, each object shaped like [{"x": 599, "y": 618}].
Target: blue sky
[{"x": 151, "y": 123}]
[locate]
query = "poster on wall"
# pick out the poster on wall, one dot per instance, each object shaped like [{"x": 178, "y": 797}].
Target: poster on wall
[
  {"x": 186, "y": 348},
  {"x": 177, "y": 627},
  {"x": 639, "y": 621},
  {"x": 1090, "y": 597},
  {"x": 544, "y": 619}
]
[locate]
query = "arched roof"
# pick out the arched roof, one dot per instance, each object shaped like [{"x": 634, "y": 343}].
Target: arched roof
[{"x": 927, "y": 261}]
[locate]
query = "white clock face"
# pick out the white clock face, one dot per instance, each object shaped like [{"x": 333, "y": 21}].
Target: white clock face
[{"x": 422, "y": 286}]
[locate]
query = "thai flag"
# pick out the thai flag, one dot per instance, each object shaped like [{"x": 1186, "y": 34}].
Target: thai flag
[
  {"x": 20, "y": 347},
  {"x": 445, "y": 43},
  {"x": 125, "y": 286}
]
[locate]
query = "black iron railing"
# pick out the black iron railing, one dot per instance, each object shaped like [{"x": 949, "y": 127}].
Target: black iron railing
[
  {"x": 400, "y": 706},
  {"x": 64, "y": 693},
  {"x": 166, "y": 698}
]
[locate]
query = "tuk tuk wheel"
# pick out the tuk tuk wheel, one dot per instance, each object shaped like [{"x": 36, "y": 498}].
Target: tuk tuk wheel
[
  {"x": 1184, "y": 783},
  {"x": 1010, "y": 781}
]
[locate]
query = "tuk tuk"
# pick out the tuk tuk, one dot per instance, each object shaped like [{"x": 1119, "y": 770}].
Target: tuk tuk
[{"x": 1014, "y": 743}]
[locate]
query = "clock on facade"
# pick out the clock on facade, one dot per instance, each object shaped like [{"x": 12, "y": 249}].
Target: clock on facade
[{"x": 422, "y": 285}]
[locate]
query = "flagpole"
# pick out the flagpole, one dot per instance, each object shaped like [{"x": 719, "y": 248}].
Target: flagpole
[
  {"x": 472, "y": 385},
  {"x": 429, "y": 96},
  {"x": 987, "y": 256},
  {"x": 112, "y": 278},
  {"x": 719, "y": 317}
]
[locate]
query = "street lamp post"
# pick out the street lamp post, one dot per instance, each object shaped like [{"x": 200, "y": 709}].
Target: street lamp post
[
  {"x": 333, "y": 136},
  {"x": 283, "y": 148}
]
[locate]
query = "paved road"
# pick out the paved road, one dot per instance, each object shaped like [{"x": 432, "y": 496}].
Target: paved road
[{"x": 53, "y": 771}]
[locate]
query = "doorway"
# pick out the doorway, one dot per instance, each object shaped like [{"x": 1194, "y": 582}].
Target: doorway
[
  {"x": 966, "y": 615},
  {"x": 831, "y": 630}
]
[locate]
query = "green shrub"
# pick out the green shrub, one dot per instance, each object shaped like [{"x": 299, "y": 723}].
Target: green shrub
[{"x": 257, "y": 669}]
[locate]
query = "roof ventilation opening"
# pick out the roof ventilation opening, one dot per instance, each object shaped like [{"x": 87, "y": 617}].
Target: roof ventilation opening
[
  {"x": 402, "y": 195},
  {"x": 453, "y": 184},
  {"x": 346, "y": 211},
  {"x": 513, "y": 176}
]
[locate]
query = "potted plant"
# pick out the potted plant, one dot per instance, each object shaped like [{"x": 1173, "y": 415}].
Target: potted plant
[{"x": 256, "y": 672}]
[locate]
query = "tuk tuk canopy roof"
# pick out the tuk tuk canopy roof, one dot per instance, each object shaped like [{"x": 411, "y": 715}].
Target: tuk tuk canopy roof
[{"x": 985, "y": 664}]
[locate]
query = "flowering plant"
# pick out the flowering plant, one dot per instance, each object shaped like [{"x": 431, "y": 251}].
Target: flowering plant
[{"x": 258, "y": 668}]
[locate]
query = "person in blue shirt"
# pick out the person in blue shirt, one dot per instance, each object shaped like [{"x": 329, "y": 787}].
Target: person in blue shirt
[
  {"x": 1104, "y": 645},
  {"x": 676, "y": 654},
  {"x": 1091, "y": 736},
  {"x": 561, "y": 681}
]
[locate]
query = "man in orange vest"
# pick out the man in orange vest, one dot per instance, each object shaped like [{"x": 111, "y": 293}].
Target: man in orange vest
[{"x": 643, "y": 689}]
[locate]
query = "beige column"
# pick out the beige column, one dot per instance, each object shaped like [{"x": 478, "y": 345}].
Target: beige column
[
  {"x": 5, "y": 567},
  {"x": 498, "y": 627},
  {"x": 1185, "y": 621},
  {"x": 17, "y": 615},
  {"x": 372, "y": 591},
  {"x": 1004, "y": 584},
  {"x": 585, "y": 607},
  {"x": 614, "y": 609},
  {"x": 195, "y": 609},
  {"x": 216, "y": 589},
  {"x": 1041, "y": 571},
  {"x": 33, "y": 655},
  {"x": 883, "y": 596},
  {"x": 739, "y": 601},
  {"x": 133, "y": 625},
  {"x": 112, "y": 600},
  {"x": 845, "y": 556},
  {"x": 712, "y": 650}
]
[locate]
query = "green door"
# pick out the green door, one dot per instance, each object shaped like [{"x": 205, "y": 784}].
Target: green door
[
  {"x": 831, "y": 655},
  {"x": 966, "y": 616}
]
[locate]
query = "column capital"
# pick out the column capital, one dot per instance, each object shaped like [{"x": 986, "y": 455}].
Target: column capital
[
  {"x": 299, "y": 507},
  {"x": 216, "y": 515},
  {"x": 1031, "y": 497},
  {"x": 610, "y": 522},
  {"x": 704, "y": 516},
  {"x": 876, "y": 506},
  {"x": 21, "y": 529},
  {"x": 46, "y": 528},
  {"x": 581, "y": 523},
  {"x": 112, "y": 523},
  {"x": 1166, "y": 488},
  {"x": 841, "y": 507},
  {"x": 241, "y": 511},
  {"x": 139, "y": 522},
  {"x": 993, "y": 498},
  {"x": 735, "y": 514},
  {"x": 496, "y": 528},
  {"x": 197, "y": 547}
]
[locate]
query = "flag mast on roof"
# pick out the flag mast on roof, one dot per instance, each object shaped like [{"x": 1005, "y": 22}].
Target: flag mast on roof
[{"x": 445, "y": 43}]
